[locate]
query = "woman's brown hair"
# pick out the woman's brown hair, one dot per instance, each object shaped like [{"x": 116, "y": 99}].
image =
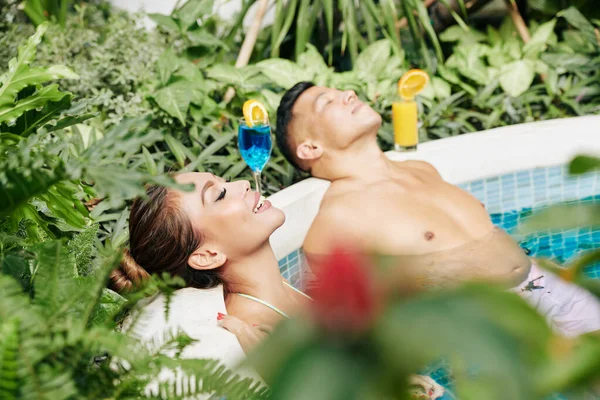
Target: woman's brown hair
[{"x": 161, "y": 239}]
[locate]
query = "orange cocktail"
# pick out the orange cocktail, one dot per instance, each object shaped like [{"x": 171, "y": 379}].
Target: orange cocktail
[
  {"x": 404, "y": 112},
  {"x": 404, "y": 117}
]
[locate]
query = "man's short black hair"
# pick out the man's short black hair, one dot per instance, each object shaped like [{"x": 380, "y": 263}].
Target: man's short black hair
[{"x": 284, "y": 117}]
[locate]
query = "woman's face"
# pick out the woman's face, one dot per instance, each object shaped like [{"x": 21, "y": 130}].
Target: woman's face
[{"x": 224, "y": 212}]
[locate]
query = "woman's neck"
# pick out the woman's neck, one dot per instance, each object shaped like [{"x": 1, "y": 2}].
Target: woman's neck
[{"x": 256, "y": 275}]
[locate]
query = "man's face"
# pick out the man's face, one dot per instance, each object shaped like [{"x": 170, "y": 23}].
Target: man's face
[{"x": 333, "y": 117}]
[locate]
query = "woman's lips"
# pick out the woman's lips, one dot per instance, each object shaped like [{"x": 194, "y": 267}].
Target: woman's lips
[
  {"x": 256, "y": 200},
  {"x": 266, "y": 205}
]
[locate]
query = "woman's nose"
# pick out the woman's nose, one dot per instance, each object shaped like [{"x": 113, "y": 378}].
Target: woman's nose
[{"x": 245, "y": 187}]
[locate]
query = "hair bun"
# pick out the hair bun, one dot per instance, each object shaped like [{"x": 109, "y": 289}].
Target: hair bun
[{"x": 128, "y": 275}]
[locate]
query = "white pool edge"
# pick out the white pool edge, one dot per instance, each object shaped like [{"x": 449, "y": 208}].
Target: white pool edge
[{"x": 459, "y": 159}]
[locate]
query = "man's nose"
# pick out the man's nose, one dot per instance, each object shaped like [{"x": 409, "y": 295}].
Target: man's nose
[{"x": 349, "y": 95}]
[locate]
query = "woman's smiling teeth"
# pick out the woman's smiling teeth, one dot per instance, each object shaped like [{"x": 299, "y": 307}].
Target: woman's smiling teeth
[{"x": 260, "y": 203}]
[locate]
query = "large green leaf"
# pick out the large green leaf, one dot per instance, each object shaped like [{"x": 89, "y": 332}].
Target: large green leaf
[
  {"x": 539, "y": 40},
  {"x": 516, "y": 77},
  {"x": 563, "y": 217},
  {"x": 491, "y": 338},
  {"x": 312, "y": 60},
  {"x": 175, "y": 98},
  {"x": 579, "y": 21},
  {"x": 166, "y": 65},
  {"x": 10, "y": 112},
  {"x": 582, "y": 164},
  {"x": 192, "y": 10},
  {"x": 18, "y": 184},
  {"x": 457, "y": 33},
  {"x": 284, "y": 73},
  {"x": 373, "y": 60},
  {"x": 165, "y": 21},
  {"x": 20, "y": 76},
  {"x": 227, "y": 74},
  {"x": 201, "y": 37},
  {"x": 31, "y": 77},
  {"x": 25, "y": 56}
]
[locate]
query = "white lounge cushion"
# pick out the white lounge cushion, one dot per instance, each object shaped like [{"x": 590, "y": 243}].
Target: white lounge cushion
[{"x": 193, "y": 311}]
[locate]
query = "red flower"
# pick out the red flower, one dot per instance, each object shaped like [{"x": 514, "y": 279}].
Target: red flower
[{"x": 344, "y": 297}]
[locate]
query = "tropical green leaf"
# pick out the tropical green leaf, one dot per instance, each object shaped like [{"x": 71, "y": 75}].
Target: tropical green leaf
[
  {"x": 175, "y": 99},
  {"x": 539, "y": 40},
  {"x": 227, "y": 74},
  {"x": 10, "y": 112},
  {"x": 580, "y": 22},
  {"x": 583, "y": 164},
  {"x": 284, "y": 28},
  {"x": 284, "y": 73},
  {"x": 564, "y": 216},
  {"x": 177, "y": 149},
  {"x": 480, "y": 329},
  {"x": 516, "y": 77},
  {"x": 18, "y": 184},
  {"x": 312, "y": 60},
  {"x": 20, "y": 76},
  {"x": 26, "y": 54},
  {"x": 373, "y": 60},
  {"x": 166, "y": 65},
  {"x": 165, "y": 21},
  {"x": 201, "y": 37},
  {"x": 192, "y": 10}
]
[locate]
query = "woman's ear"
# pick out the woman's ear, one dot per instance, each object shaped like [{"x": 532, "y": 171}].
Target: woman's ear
[
  {"x": 309, "y": 150},
  {"x": 205, "y": 258}
]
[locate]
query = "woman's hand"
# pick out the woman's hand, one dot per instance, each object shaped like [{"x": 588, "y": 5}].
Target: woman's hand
[{"x": 248, "y": 335}]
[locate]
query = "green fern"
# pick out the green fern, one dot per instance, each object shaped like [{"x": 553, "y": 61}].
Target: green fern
[
  {"x": 54, "y": 283},
  {"x": 9, "y": 347},
  {"x": 196, "y": 376}
]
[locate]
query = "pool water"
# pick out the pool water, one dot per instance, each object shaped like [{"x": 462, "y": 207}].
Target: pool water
[
  {"x": 561, "y": 246},
  {"x": 512, "y": 198}
]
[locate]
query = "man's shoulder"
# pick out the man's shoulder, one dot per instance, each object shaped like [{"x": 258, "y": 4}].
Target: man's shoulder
[
  {"x": 420, "y": 165},
  {"x": 334, "y": 221}
]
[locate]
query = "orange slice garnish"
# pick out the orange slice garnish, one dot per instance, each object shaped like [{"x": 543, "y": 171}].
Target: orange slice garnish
[
  {"x": 412, "y": 83},
  {"x": 255, "y": 113}
]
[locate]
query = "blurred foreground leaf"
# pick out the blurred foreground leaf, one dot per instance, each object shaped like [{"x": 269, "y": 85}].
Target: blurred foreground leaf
[
  {"x": 583, "y": 164},
  {"x": 563, "y": 216}
]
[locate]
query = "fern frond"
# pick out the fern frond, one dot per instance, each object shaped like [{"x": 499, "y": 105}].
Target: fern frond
[
  {"x": 9, "y": 347},
  {"x": 54, "y": 283},
  {"x": 200, "y": 376}
]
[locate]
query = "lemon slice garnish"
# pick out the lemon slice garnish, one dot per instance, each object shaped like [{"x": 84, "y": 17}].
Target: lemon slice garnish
[
  {"x": 255, "y": 113},
  {"x": 412, "y": 83}
]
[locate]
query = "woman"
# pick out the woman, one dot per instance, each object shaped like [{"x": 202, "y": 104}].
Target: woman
[{"x": 216, "y": 234}]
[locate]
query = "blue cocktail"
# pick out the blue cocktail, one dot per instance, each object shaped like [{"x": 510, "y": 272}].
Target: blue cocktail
[{"x": 255, "y": 146}]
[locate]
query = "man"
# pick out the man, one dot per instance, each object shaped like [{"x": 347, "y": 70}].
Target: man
[{"x": 439, "y": 233}]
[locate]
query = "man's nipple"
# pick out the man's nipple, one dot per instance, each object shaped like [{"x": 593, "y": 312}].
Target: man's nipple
[{"x": 429, "y": 236}]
